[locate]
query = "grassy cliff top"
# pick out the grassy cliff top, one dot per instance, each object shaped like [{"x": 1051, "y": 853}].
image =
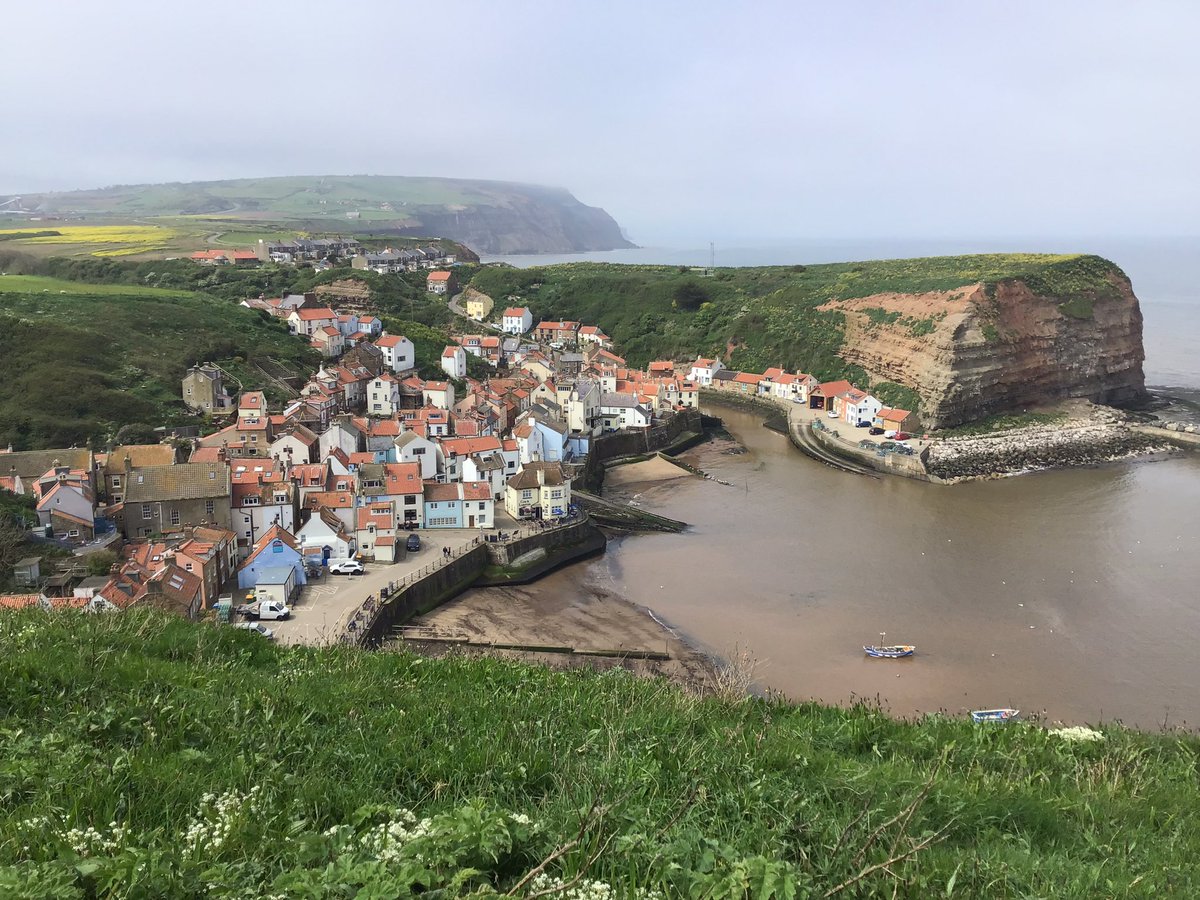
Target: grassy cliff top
[
  {"x": 210, "y": 763},
  {"x": 768, "y": 315}
]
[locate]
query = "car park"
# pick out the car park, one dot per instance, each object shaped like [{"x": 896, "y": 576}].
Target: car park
[
  {"x": 346, "y": 567},
  {"x": 257, "y": 628},
  {"x": 413, "y": 544}
]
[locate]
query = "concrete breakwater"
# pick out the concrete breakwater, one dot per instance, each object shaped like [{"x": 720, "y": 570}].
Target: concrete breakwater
[{"x": 1038, "y": 447}]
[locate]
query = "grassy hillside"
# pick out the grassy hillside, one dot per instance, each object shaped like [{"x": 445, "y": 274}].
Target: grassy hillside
[
  {"x": 146, "y": 756},
  {"x": 83, "y": 360},
  {"x": 106, "y": 344},
  {"x": 493, "y": 216},
  {"x": 768, "y": 314}
]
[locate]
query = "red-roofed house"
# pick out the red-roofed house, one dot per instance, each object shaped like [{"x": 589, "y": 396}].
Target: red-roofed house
[
  {"x": 516, "y": 320},
  {"x": 398, "y": 352},
  {"x": 892, "y": 419},
  {"x": 309, "y": 320},
  {"x": 454, "y": 362},
  {"x": 440, "y": 283},
  {"x": 557, "y": 332},
  {"x": 823, "y": 395}
]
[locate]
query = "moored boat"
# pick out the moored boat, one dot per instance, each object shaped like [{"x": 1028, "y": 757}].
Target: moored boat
[
  {"x": 894, "y": 651},
  {"x": 995, "y": 715}
]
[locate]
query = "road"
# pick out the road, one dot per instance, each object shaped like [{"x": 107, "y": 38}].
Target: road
[{"x": 320, "y": 614}]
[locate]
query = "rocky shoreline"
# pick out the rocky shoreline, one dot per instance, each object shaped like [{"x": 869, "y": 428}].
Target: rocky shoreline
[{"x": 1105, "y": 435}]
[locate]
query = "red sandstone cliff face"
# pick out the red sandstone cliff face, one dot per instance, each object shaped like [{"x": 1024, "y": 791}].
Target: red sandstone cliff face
[{"x": 978, "y": 350}]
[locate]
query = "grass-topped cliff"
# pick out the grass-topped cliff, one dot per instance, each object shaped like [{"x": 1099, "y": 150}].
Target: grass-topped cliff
[
  {"x": 489, "y": 216},
  {"x": 145, "y": 756},
  {"x": 815, "y": 318}
]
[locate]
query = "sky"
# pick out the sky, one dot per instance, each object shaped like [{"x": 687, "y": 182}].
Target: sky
[{"x": 688, "y": 121}]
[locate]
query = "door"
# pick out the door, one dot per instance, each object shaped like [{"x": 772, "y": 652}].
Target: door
[{"x": 470, "y": 521}]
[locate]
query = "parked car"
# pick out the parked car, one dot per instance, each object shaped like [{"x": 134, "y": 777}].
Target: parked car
[
  {"x": 866, "y": 445},
  {"x": 832, "y": 414},
  {"x": 875, "y": 430},
  {"x": 346, "y": 567},
  {"x": 890, "y": 433},
  {"x": 887, "y": 445},
  {"x": 265, "y": 609},
  {"x": 413, "y": 544},
  {"x": 257, "y": 628},
  {"x": 901, "y": 436},
  {"x": 905, "y": 450},
  {"x": 862, "y": 424}
]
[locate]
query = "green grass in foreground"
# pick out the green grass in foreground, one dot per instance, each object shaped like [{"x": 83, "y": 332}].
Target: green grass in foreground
[{"x": 207, "y": 763}]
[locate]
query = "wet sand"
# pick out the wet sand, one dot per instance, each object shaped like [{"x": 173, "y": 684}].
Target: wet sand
[{"x": 564, "y": 609}]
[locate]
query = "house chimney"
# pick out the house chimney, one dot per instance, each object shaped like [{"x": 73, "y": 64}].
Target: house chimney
[{"x": 541, "y": 476}]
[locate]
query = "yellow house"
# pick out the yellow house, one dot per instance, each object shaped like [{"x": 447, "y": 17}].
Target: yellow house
[{"x": 478, "y": 305}]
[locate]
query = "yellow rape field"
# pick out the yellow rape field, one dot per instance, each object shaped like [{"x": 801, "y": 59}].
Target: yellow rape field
[{"x": 99, "y": 240}]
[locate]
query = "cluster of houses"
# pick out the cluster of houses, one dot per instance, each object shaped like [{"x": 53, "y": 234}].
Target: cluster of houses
[
  {"x": 322, "y": 253},
  {"x": 848, "y": 403},
  {"x": 367, "y": 450}
]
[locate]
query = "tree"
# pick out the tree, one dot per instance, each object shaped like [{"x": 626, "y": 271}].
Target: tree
[
  {"x": 689, "y": 295},
  {"x": 137, "y": 433},
  {"x": 101, "y": 562}
]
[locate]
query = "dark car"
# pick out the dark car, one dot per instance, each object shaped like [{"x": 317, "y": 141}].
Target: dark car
[
  {"x": 875, "y": 430},
  {"x": 413, "y": 543},
  {"x": 862, "y": 424}
]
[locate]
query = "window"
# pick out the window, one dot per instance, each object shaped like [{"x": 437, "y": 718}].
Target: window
[
  {"x": 482, "y": 505},
  {"x": 212, "y": 476},
  {"x": 146, "y": 513},
  {"x": 141, "y": 479},
  {"x": 174, "y": 516},
  {"x": 74, "y": 532},
  {"x": 116, "y": 481},
  {"x": 410, "y": 500},
  {"x": 250, "y": 501},
  {"x": 210, "y": 507},
  {"x": 418, "y": 451},
  {"x": 246, "y": 519},
  {"x": 187, "y": 567}
]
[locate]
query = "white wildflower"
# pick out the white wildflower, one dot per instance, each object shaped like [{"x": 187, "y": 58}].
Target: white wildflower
[
  {"x": 217, "y": 818},
  {"x": 1078, "y": 733},
  {"x": 91, "y": 842}
]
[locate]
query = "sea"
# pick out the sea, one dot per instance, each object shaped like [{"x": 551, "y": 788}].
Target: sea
[{"x": 1072, "y": 595}]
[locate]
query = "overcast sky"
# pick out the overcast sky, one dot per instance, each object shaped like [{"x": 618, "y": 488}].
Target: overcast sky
[{"x": 687, "y": 121}]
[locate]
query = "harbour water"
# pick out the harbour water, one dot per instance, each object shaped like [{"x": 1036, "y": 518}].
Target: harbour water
[{"x": 1073, "y": 594}]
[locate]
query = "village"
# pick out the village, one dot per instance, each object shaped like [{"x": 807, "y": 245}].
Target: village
[{"x": 369, "y": 472}]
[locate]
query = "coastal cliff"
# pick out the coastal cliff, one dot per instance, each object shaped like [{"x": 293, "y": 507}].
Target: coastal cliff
[
  {"x": 1005, "y": 345},
  {"x": 488, "y": 216}
]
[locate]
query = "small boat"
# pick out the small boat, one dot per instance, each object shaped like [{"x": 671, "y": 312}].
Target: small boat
[
  {"x": 893, "y": 652},
  {"x": 995, "y": 715}
]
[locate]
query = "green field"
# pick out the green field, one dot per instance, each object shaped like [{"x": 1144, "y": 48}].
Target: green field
[
  {"x": 35, "y": 284},
  {"x": 769, "y": 315},
  {"x": 210, "y": 763}
]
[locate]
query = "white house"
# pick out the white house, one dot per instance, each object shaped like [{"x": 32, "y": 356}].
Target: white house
[
  {"x": 551, "y": 439},
  {"x": 340, "y": 435},
  {"x": 398, "y": 352},
  {"x": 454, "y": 362},
  {"x": 618, "y": 411},
  {"x": 309, "y": 321},
  {"x": 439, "y": 394},
  {"x": 326, "y": 533},
  {"x": 593, "y": 335},
  {"x": 383, "y": 395},
  {"x": 516, "y": 320},
  {"x": 857, "y": 406},
  {"x": 702, "y": 371},
  {"x": 412, "y": 447},
  {"x": 376, "y": 532},
  {"x": 262, "y": 497}
]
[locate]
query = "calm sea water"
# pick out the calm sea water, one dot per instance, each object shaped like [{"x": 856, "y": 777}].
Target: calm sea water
[{"x": 1076, "y": 593}]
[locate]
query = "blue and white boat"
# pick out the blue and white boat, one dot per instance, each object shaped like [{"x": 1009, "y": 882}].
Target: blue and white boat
[
  {"x": 895, "y": 651},
  {"x": 995, "y": 715}
]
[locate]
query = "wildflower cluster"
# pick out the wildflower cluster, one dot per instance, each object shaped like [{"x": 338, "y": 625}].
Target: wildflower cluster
[
  {"x": 584, "y": 889},
  {"x": 1078, "y": 733},
  {"x": 90, "y": 842},
  {"x": 386, "y": 841},
  {"x": 218, "y": 817}
]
